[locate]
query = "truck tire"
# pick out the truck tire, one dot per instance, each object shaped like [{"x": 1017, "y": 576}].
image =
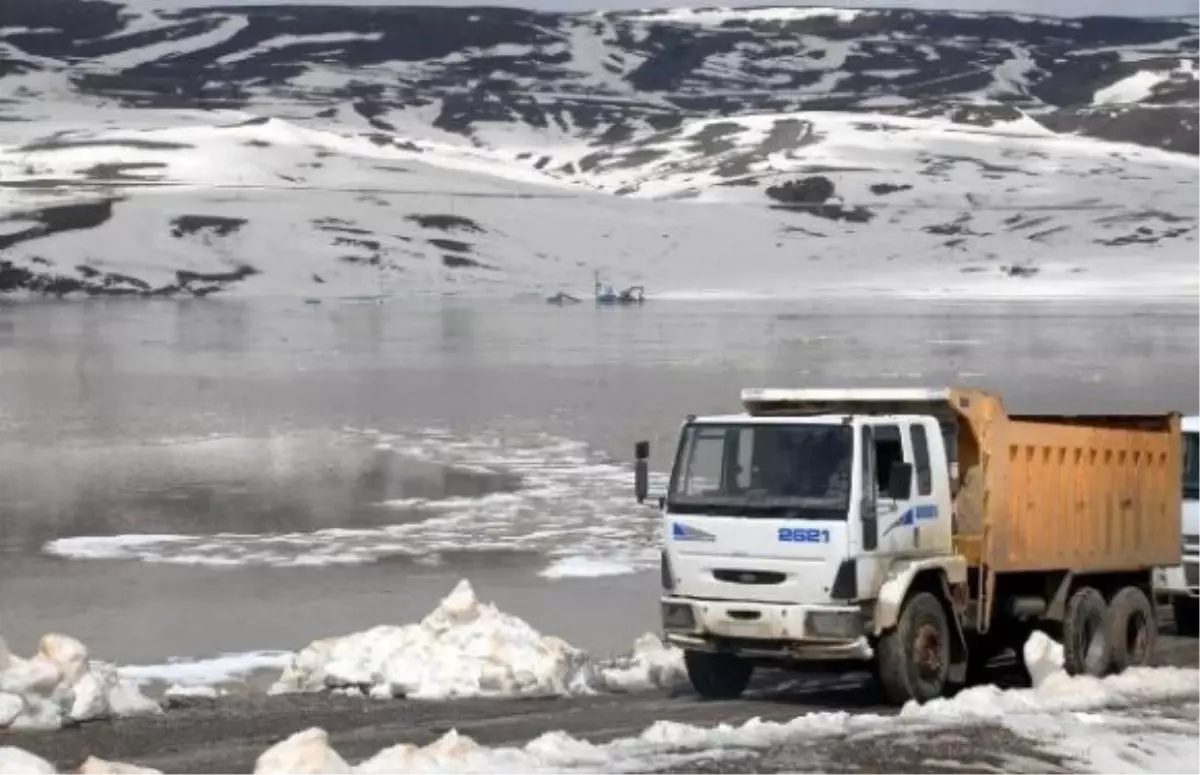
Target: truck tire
[
  {"x": 914, "y": 658},
  {"x": 1132, "y": 629},
  {"x": 1086, "y": 649},
  {"x": 717, "y": 676},
  {"x": 1187, "y": 612}
]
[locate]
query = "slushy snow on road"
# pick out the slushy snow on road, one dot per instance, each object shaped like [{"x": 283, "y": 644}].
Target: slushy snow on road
[
  {"x": 1053, "y": 713},
  {"x": 467, "y": 648},
  {"x": 60, "y": 684}
]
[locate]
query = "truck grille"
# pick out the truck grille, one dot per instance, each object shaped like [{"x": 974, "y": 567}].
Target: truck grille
[{"x": 730, "y": 576}]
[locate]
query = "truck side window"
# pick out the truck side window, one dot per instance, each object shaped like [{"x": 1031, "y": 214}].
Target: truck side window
[
  {"x": 868, "y": 463},
  {"x": 888, "y": 449},
  {"x": 921, "y": 468}
]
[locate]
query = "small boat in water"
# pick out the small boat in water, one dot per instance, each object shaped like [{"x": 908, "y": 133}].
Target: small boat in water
[{"x": 605, "y": 295}]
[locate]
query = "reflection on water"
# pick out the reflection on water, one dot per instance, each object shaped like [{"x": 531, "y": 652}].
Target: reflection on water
[
  {"x": 200, "y": 417},
  {"x": 91, "y": 394}
]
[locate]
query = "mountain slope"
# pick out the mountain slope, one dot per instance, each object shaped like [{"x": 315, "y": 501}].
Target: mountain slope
[{"x": 361, "y": 150}]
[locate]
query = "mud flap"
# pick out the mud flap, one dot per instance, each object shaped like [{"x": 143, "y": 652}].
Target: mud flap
[{"x": 957, "y": 674}]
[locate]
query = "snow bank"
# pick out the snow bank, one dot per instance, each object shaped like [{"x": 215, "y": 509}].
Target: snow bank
[
  {"x": 14, "y": 761},
  {"x": 585, "y": 567},
  {"x": 61, "y": 684},
  {"x": 466, "y": 648},
  {"x": 1049, "y": 712}
]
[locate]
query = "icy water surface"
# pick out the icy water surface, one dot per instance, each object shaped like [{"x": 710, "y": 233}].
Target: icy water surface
[{"x": 209, "y": 476}]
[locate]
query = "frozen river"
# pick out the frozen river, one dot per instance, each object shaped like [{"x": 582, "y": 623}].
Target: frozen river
[{"x": 214, "y": 476}]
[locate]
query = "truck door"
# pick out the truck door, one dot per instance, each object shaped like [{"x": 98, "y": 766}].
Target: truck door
[{"x": 902, "y": 521}]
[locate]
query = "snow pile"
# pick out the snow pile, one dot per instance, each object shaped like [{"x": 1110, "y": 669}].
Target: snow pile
[
  {"x": 1049, "y": 712},
  {"x": 1054, "y": 690},
  {"x": 62, "y": 684},
  {"x": 14, "y": 761},
  {"x": 652, "y": 664},
  {"x": 303, "y": 752},
  {"x": 466, "y": 648},
  {"x": 94, "y": 765}
]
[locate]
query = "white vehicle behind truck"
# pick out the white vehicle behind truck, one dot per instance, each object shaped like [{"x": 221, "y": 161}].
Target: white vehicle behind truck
[
  {"x": 917, "y": 532},
  {"x": 1180, "y": 584}
]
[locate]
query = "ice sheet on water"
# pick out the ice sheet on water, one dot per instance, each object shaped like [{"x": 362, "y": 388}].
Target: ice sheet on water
[
  {"x": 572, "y": 500},
  {"x": 584, "y": 567},
  {"x": 61, "y": 683},
  {"x": 207, "y": 671},
  {"x": 1050, "y": 712},
  {"x": 467, "y": 648}
]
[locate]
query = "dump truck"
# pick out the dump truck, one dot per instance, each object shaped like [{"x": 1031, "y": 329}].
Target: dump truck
[
  {"x": 1180, "y": 585},
  {"x": 915, "y": 532}
]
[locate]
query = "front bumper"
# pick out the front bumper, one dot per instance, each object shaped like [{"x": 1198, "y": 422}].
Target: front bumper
[
  {"x": 1181, "y": 580},
  {"x": 767, "y": 630}
]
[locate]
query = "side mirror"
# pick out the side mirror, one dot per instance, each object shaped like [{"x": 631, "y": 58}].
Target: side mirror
[
  {"x": 641, "y": 470},
  {"x": 900, "y": 480}
]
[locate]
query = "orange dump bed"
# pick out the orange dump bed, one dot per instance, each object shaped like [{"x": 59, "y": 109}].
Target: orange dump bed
[{"x": 1081, "y": 493}]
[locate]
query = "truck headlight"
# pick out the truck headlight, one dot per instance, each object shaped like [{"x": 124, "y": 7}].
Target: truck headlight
[
  {"x": 844, "y": 625},
  {"x": 678, "y": 616}
]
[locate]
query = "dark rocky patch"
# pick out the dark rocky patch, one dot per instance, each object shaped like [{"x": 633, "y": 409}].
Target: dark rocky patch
[
  {"x": 1040, "y": 236},
  {"x": 232, "y": 276},
  {"x": 882, "y": 189},
  {"x": 217, "y": 225},
  {"x": 462, "y": 262},
  {"x": 1022, "y": 221},
  {"x": 446, "y": 222},
  {"x": 94, "y": 282},
  {"x": 1019, "y": 270},
  {"x": 373, "y": 259},
  {"x": 366, "y": 244},
  {"x": 58, "y": 218},
  {"x": 63, "y": 144},
  {"x": 451, "y": 244},
  {"x": 813, "y": 195},
  {"x": 959, "y": 227},
  {"x": 121, "y": 170}
]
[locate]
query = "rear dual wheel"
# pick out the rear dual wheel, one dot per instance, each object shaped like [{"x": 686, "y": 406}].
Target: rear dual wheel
[{"x": 1100, "y": 637}]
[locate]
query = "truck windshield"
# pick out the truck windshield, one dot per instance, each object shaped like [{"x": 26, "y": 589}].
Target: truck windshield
[
  {"x": 1191, "y": 466},
  {"x": 763, "y": 470}
]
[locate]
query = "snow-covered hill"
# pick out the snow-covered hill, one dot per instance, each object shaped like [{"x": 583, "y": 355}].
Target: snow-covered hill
[{"x": 163, "y": 147}]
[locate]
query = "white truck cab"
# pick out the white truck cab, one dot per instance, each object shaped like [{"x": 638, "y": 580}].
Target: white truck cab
[
  {"x": 793, "y": 537},
  {"x": 1181, "y": 583},
  {"x": 826, "y": 527}
]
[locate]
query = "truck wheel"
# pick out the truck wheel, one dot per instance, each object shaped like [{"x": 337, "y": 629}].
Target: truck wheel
[
  {"x": 1086, "y": 648},
  {"x": 717, "y": 676},
  {"x": 1187, "y": 611},
  {"x": 1132, "y": 630},
  {"x": 914, "y": 658}
]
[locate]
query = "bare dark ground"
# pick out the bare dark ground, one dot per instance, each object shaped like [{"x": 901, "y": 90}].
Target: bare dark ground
[{"x": 227, "y": 735}]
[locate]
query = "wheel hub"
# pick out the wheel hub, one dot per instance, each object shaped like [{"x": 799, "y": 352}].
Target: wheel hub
[{"x": 927, "y": 652}]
